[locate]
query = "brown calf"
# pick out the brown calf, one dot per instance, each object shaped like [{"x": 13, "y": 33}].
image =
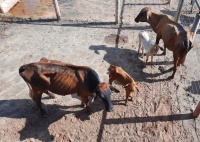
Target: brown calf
[
  {"x": 118, "y": 74},
  {"x": 175, "y": 37},
  {"x": 64, "y": 79}
]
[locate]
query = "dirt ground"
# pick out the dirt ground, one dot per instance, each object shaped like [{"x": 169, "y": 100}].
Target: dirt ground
[{"x": 160, "y": 112}]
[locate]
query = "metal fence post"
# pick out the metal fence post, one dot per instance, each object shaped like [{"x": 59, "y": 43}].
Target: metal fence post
[
  {"x": 192, "y": 3},
  {"x": 57, "y": 9},
  {"x": 197, "y": 111},
  {"x": 178, "y": 12},
  {"x": 116, "y": 11},
  {"x": 195, "y": 25}
]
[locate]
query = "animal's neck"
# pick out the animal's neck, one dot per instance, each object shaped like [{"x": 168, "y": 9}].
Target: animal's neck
[{"x": 154, "y": 20}]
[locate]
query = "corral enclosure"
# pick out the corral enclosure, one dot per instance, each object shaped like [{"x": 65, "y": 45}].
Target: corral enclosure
[{"x": 87, "y": 35}]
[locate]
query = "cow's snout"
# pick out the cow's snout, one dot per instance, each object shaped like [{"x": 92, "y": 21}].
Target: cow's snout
[{"x": 21, "y": 69}]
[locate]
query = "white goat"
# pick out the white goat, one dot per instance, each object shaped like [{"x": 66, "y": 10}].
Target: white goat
[{"x": 148, "y": 45}]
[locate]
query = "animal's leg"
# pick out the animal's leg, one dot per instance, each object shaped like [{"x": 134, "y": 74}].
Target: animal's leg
[
  {"x": 127, "y": 95},
  {"x": 142, "y": 52},
  {"x": 152, "y": 59},
  {"x": 85, "y": 101},
  {"x": 37, "y": 99},
  {"x": 49, "y": 94},
  {"x": 131, "y": 96},
  {"x": 147, "y": 57},
  {"x": 182, "y": 59},
  {"x": 82, "y": 101},
  {"x": 164, "y": 52},
  {"x": 157, "y": 39},
  {"x": 176, "y": 58},
  {"x": 139, "y": 44},
  {"x": 110, "y": 80},
  {"x": 157, "y": 42}
]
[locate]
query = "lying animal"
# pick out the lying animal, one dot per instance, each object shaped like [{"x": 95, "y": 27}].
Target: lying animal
[
  {"x": 148, "y": 45},
  {"x": 175, "y": 37},
  {"x": 63, "y": 80},
  {"x": 118, "y": 74}
]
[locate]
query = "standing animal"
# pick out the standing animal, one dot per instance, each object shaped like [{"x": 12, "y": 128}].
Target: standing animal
[
  {"x": 118, "y": 74},
  {"x": 148, "y": 45},
  {"x": 175, "y": 37},
  {"x": 64, "y": 79}
]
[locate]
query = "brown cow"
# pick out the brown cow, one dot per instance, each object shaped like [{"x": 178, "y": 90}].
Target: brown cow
[
  {"x": 175, "y": 37},
  {"x": 63, "y": 80},
  {"x": 118, "y": 74}
]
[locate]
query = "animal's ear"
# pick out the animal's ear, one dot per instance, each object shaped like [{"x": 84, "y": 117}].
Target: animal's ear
[{"x": 43, "y": 60}]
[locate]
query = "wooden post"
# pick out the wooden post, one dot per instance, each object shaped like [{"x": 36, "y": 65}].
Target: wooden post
[
  {"x": 116, "y": 11},
  {"x": 57, "y": 10},
  {"x": 197, "y": 111}
]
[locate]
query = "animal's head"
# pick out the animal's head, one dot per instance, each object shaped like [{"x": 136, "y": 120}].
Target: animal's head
[
  {"x": 112, "y": 68},
  {"x": 143, "y": 16},
  {"x": 32, "y": 74},
  {"x": 104, "y": 92}
]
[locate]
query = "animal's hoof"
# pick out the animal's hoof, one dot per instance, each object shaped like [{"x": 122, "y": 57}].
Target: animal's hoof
[{"x": 170, "y": 77}]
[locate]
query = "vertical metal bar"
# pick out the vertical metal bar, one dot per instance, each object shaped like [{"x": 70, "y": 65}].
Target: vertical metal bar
[
  {"x": 197, "y": 3},
  {"x": 192, "y": 3},
  {"x": 197, "y": 111},
  {"x": 116, "y": 11},
  {"x": 195, "y": 25},
  {"x": 57, "y": 9},
  {"x": 119, "y": 11},
  {"x": 178, "y": 12}
]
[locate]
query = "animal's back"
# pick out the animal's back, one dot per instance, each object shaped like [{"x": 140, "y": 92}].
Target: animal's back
[
  {"x": 146, "y": 42},
  {"x": 120, "y": 75},
  {"x": 67, "y": 79}
]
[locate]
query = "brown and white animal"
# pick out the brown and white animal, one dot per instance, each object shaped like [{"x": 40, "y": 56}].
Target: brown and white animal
[
  {"x": 175, "y": 37},
  {"x": 64, "y": 79},
  {"x": 146, "y": 43},
  {"x": 118, "y": 74}
]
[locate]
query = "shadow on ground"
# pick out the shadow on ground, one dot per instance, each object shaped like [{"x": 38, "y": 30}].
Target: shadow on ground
[
  {"x": 36, "y": 126},
  {"x": 128, "y": 59},
  {"x": 194, "y": 88}
]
